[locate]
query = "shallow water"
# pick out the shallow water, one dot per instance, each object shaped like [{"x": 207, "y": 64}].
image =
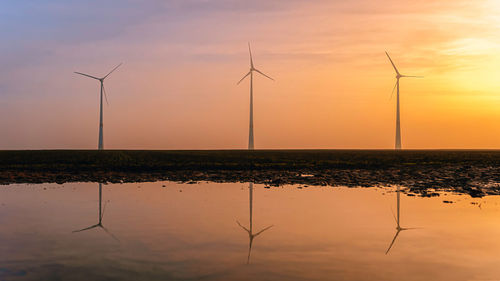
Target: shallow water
[{"x": 191, "y": 232}]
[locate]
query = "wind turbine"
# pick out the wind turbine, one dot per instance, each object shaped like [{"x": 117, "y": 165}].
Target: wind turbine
[
  {"x": 252, "y": 70},
  {"x": 398, "y": 125},
  {"x": 101, "y": 143},
  {"x": 398, "y": 226},
  {"x": 101, "y": 215},
  {"x": 251, "y": 235}
]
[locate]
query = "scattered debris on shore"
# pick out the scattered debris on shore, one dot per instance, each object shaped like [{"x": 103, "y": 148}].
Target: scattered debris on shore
[{"x": 422, "y": 173}]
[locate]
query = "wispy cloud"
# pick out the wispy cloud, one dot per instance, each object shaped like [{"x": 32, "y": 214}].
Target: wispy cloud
[{"x": 320, "y": 46}]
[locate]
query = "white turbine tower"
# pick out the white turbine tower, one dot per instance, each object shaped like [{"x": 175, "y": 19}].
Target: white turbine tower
[
  {"x": 398, "y": 125},
  {"x": 252, "y": 69},
  {"x": 101, "y": 143}
]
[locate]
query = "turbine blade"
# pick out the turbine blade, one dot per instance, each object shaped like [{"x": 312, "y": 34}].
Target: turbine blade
[
  {"x": 392, "y": 93},
  {"x": 249, "y": 249},
  {"x": 244, "y": 77},
  {"x": 106, "y": 98},
  {"x": 393, "y": 65},
  {"x": 257, "y": 234},
  {"x": 392, "y": 243},
  {"x": 87, "y": 228},
  {"x": 112, "y": 71},
  {"x": 394, "y": 216},
  {"x": 412, "y": 76},
  {"x": 251, "y": 59},
  {"x": 246, "y": 229},
  {"x": 263, "y": 74},
  {"x": 110, "y": 234},
  {"x": 87, "y": 75}
]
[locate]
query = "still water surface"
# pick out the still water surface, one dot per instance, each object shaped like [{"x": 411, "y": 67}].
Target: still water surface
[{"x": 170, "y": 231}]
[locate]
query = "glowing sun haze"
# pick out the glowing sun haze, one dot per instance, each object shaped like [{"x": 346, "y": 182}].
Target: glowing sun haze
[{"x": 182, "y": 58}]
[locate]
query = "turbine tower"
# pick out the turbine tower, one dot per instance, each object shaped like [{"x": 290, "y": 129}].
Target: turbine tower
[
  {"x": 252, "y": 70},
  {"x": 398, "y": 124},
  {"x": 101, "y": 142}
]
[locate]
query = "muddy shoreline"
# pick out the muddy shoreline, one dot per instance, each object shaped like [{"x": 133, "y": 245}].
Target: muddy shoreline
[{"x": 424, "y": 173}]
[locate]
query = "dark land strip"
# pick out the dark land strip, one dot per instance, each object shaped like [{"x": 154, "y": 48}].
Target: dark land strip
[{"x": 423, "y": 172}]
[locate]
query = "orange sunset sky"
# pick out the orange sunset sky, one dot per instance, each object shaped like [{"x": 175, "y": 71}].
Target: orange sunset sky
[{"x": 181, "y": 60}]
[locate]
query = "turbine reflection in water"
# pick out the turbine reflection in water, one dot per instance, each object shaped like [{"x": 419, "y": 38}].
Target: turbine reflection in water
[
  {"x": 101, "y": 215},
  {"x": 397, "y": 219},
  {"x": 249, "y": 230}
]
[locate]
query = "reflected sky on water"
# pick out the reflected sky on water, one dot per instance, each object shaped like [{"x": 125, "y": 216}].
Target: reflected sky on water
[{"x": 170, "y": 231}]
